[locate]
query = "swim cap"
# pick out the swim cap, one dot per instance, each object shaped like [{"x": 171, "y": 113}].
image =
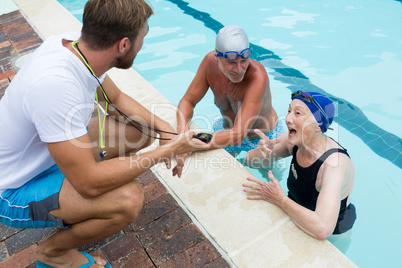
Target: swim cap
[
  {"x": 231, "y": 38},
  {"x": 325, "y": 103}
]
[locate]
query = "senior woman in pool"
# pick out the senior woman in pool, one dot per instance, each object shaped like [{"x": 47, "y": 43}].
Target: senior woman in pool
[{"x": 321, "y": 175}]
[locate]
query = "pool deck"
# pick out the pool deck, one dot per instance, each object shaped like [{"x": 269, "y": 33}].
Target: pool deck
[{"x": 200, "y": 220}]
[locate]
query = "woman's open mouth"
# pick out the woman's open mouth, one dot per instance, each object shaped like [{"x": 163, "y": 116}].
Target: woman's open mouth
[{"x": 292, "y": 132}]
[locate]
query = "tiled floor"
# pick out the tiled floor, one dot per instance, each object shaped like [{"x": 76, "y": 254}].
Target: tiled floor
[{"x": 162, "y": 236}]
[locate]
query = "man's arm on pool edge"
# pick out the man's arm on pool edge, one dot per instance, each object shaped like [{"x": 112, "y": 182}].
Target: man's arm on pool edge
[{"x": 195, "y": 92}]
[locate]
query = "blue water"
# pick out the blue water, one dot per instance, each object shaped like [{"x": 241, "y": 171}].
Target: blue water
[{"x": 350, "y": 50}]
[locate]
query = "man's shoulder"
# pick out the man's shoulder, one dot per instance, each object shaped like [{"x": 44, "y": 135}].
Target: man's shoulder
[
  {"x": 256, "y": 72},
  {"x": 210, "y": 54},
  {"x": 54, "y": 41},
  {"x": 52, "y": 59},
  {"x": 72, "y": 36},
  {"x": 208, "y": 65},
  {"x": 208, "y": 58},
  {"x": 256, "y": 66}
]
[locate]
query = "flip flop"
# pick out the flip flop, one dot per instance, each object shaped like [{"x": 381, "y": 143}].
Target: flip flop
[{"x": 89, "y": 257}]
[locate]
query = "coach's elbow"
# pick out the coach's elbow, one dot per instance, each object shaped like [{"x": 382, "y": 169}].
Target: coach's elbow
[
  {"x": 87, "y": 190},
  {"x": 88, "y": 193}
]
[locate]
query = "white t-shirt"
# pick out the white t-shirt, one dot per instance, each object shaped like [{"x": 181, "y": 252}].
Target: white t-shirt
[{"x": 51, "y": 99}]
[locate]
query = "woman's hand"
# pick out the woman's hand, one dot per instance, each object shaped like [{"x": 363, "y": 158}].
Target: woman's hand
[
  {"x": 263, "y": 190},
  {"x": 260, "y": 156},
  {"x": 265, "y": 145}
]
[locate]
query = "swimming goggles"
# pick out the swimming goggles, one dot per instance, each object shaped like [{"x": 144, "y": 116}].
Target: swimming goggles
[
  {"x": 310, "y": 99},
  {"x": 234, "y": 55}
]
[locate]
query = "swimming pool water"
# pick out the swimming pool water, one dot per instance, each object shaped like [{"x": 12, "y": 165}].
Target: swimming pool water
[{"x": 351, "y": 50}]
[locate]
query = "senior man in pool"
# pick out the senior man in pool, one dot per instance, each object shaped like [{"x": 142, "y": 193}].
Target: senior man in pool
[{"x": 241, "y": 89}]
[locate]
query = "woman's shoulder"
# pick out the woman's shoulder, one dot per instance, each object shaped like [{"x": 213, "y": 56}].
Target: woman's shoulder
[
  {"x": 338, "y": 155},
  {"x": 333, "y": 144}
]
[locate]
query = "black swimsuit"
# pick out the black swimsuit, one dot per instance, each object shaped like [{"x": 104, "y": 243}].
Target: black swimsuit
[{"x": 301, "y": 185}]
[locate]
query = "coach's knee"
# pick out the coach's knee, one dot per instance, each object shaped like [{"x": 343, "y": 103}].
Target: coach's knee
[
  {"x": 149, "y": 139},
  {"x": 132, "y": 200}
]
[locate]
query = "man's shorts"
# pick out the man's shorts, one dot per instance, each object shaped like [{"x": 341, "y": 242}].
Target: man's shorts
[
  {"x": 29, "y": 205},
  {"x": 248, "y": 144}
]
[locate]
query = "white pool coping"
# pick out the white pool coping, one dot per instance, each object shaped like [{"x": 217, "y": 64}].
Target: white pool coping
[{"x": 247, "y": 233}]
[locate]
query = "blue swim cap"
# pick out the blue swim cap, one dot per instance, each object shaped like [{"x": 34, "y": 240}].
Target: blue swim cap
[{"x": 325, "y": 103}]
